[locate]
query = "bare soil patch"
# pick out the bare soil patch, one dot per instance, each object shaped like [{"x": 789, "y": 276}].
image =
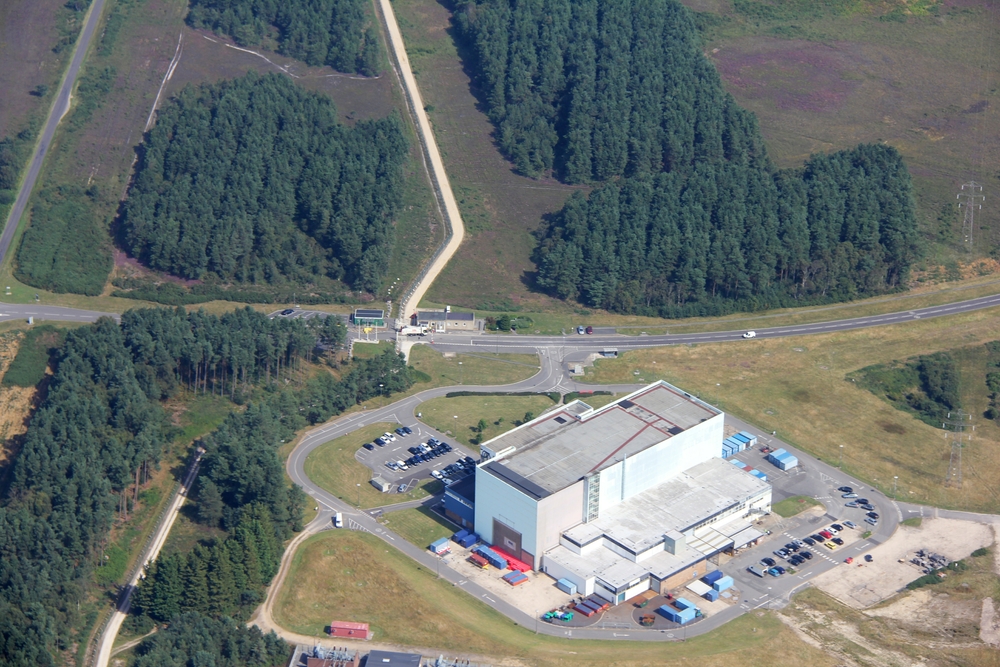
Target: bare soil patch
[
  {"x": 869, "y": 583},
  {"x": 16, "y": 403}
]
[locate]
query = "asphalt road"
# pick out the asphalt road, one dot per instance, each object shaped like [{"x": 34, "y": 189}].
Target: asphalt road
[
  {"x": 574, "y": 343},
  {"x": 59, "y": 108},
  {"x": 15, "y": 311},
  {"x": 813, "y": 478}
]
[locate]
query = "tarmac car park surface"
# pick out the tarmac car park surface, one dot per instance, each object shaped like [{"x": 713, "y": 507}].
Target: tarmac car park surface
[{"x": 377, "y": 459}]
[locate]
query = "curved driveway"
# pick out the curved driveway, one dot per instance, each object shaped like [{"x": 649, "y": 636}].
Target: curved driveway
[{"x": 756, "y": 592}]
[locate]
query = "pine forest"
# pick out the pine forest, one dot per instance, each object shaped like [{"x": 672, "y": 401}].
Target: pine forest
[
  {"x": 689, "y": 216},
  {"x": 256, "y": 181}
]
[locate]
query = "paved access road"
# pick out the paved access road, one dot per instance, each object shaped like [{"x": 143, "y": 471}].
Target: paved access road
[
  {"x": 20, "y": 311},
  {"x": 59, "y": 108},
  {"x": 574, "y": 343},
  {"x": 813, "y": 478}
]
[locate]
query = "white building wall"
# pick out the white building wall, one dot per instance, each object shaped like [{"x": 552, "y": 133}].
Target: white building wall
[
  {"x": 496, "y": 499},
  {"x": 659, "y": 463},
  {"x": 584, "y": 586},
  {"x": 556, "y": 513}
]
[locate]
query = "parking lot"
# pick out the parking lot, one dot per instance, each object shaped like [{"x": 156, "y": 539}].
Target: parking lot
[
  {"x": 397, "y": 450},
  {"x": 301, "y": 314},
  {"x": 825, "y": 553}
]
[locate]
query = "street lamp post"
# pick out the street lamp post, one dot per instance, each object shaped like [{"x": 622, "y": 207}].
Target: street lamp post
[
  {"x": 461, "y": 374},
  {"x": 359, "y": 496},
  {"x": 895, "y": 478},
  {"x": 841, "y": 464}
]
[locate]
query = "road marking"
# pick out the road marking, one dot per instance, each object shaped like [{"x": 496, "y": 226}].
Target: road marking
[{"x": 489, "y": 598}]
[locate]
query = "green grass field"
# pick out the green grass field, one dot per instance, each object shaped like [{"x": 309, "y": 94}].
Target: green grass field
[
  {"x": 459, "y": 416},
  {"x": 798, "y": 387},
  {"x": 419, "y": 525},
  {"x": 794, "y": 505},
  {"x": 33, "y": 355},
  {"x": 333, "y": 467},
  {"x": 359, "y": 578},
  {"x": 471, "y": 369}
]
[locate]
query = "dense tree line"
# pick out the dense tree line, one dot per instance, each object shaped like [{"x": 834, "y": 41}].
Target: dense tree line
[
  {"x": 194, "y": 640},
  {"x": 595, "y": 89},
  {"x": 85, "y": 445},
  {"x": 320, "y": 32},
  {"x": 225, "y": 579},
  {"x": 692, "y": 218},
  {"x": 728, "y": 238},
  {"x": 255, "y": 180},
  {"x": 100, "y": 428}
]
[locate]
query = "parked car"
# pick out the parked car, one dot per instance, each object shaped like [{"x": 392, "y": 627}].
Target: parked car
[
  {"x": 781, "y": 553},
  {"x": 833, "y": 529},
  {"x": 839, "y": 542},
  {"x": 389, "y": 437},
  {"x": 866, "y": 506},
  {"x": 580, "y": 330},
  {"x": 846, "y": 489},
  {"x": 288, "y": 311},
  {"x": 830, "y": 545},
  {"x": 863, "y": 501},
  {"x": 400, "y": 432},
  {"x": 750, "y": 334},
  {"x": 791, "y": 547},
  {"x": 774, "y": 572},
  {"x": 807, "y": 555},
  {"x": 590, "y": 330},
  {"x": 436, "y": 474},
  {"x": 826, "y": 534},
  {"x": 469, "y": 460},
  {"x": 818, "y": 538},
  {"x": 796, "y": 560},
  {"x": 871, "y": 521},
  {"x": 849, "y": 495},
  {"x": 407, "y": 430},
  {"x": 799, "y": 543},
  {"x": 850, "y": 524},
  {"x": 838, "y": 527},
  {"x": 868, "y": 558},
  {"x": 851, "y": 504},
  {"x": 810, "y": 541},
  {"x": 369, "y": 446},
  {"x": 873, "y": 515},
  {"x": 770, "y": 562}
]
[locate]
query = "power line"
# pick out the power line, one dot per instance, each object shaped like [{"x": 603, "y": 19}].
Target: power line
[
  {"x": 956, "y": 427},
  {"x": 969, "y": 200}
]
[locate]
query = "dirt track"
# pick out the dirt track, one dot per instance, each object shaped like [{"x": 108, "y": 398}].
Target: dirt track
[{"x": 439, "y": 178}]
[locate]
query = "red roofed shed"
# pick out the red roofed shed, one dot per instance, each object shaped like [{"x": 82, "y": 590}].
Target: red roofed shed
[{"x": 350, "y": 630}]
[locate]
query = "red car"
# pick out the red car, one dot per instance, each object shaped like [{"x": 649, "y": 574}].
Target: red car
[{"x": 826, "y": 533}]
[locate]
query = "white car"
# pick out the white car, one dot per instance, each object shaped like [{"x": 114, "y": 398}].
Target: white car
[
  {"x": 436, "y": 474},
  {"x": 389, "y": 436},
  {"x": 338, "y": 520},
  {"x": 401, "y": 466},
  {"x": 750, "y": 334}
]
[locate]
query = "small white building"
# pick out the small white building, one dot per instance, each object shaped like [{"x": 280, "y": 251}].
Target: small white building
[{"x": 444, "y": 321}]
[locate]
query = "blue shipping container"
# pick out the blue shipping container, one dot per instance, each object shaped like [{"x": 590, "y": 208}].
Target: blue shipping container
[
  {"x": 751, "y": 438},
  {"x": 686, "y": 615},
  {"x": 742, "y": 438},
  {"x": 459, "y": 535},
  {"x": 723, "y": 584},
  {"x": 713, "y": 577},
  {"x": 439, "y": 546},
  {"x": 737, "y": 463},
  {"x": 682, "y": 604},
  {"x": 711, "y": 595},
  {"x": 469, "y": 540},
  {"x": 566, "y": 586},
  {"x": 671, "y": 613}
]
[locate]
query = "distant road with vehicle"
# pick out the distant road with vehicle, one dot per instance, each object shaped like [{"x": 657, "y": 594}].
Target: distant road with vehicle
[{"x": 59, "y": 108}]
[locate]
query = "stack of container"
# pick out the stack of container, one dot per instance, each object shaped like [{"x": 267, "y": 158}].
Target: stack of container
[
  {"x": 515, "y": 578},
  {"x": 491, "y": 557},
  {"x": 457, "y": 537},
  {"x": 680, "y": 616},
  {"x": 758, "y": 474},
  {"x": 782, "y": 459},
  {"x": 737, "y": 443},
  {"x": 469, "y": 540},
  {"x": 441, "y": 546}
]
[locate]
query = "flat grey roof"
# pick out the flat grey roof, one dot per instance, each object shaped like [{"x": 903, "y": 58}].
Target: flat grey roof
[
  {"x": 369, "y": 314},
  {"x": 679, "y": 504},
  {"x": 562, "y": 446}
]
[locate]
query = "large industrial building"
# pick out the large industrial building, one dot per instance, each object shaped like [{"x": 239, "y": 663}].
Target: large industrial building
[{"x": 618, "y": 500}]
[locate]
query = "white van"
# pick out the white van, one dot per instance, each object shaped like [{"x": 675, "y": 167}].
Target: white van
[
  {"x": 338, "y": 520},
  {"x": 750, "y": 334}
]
